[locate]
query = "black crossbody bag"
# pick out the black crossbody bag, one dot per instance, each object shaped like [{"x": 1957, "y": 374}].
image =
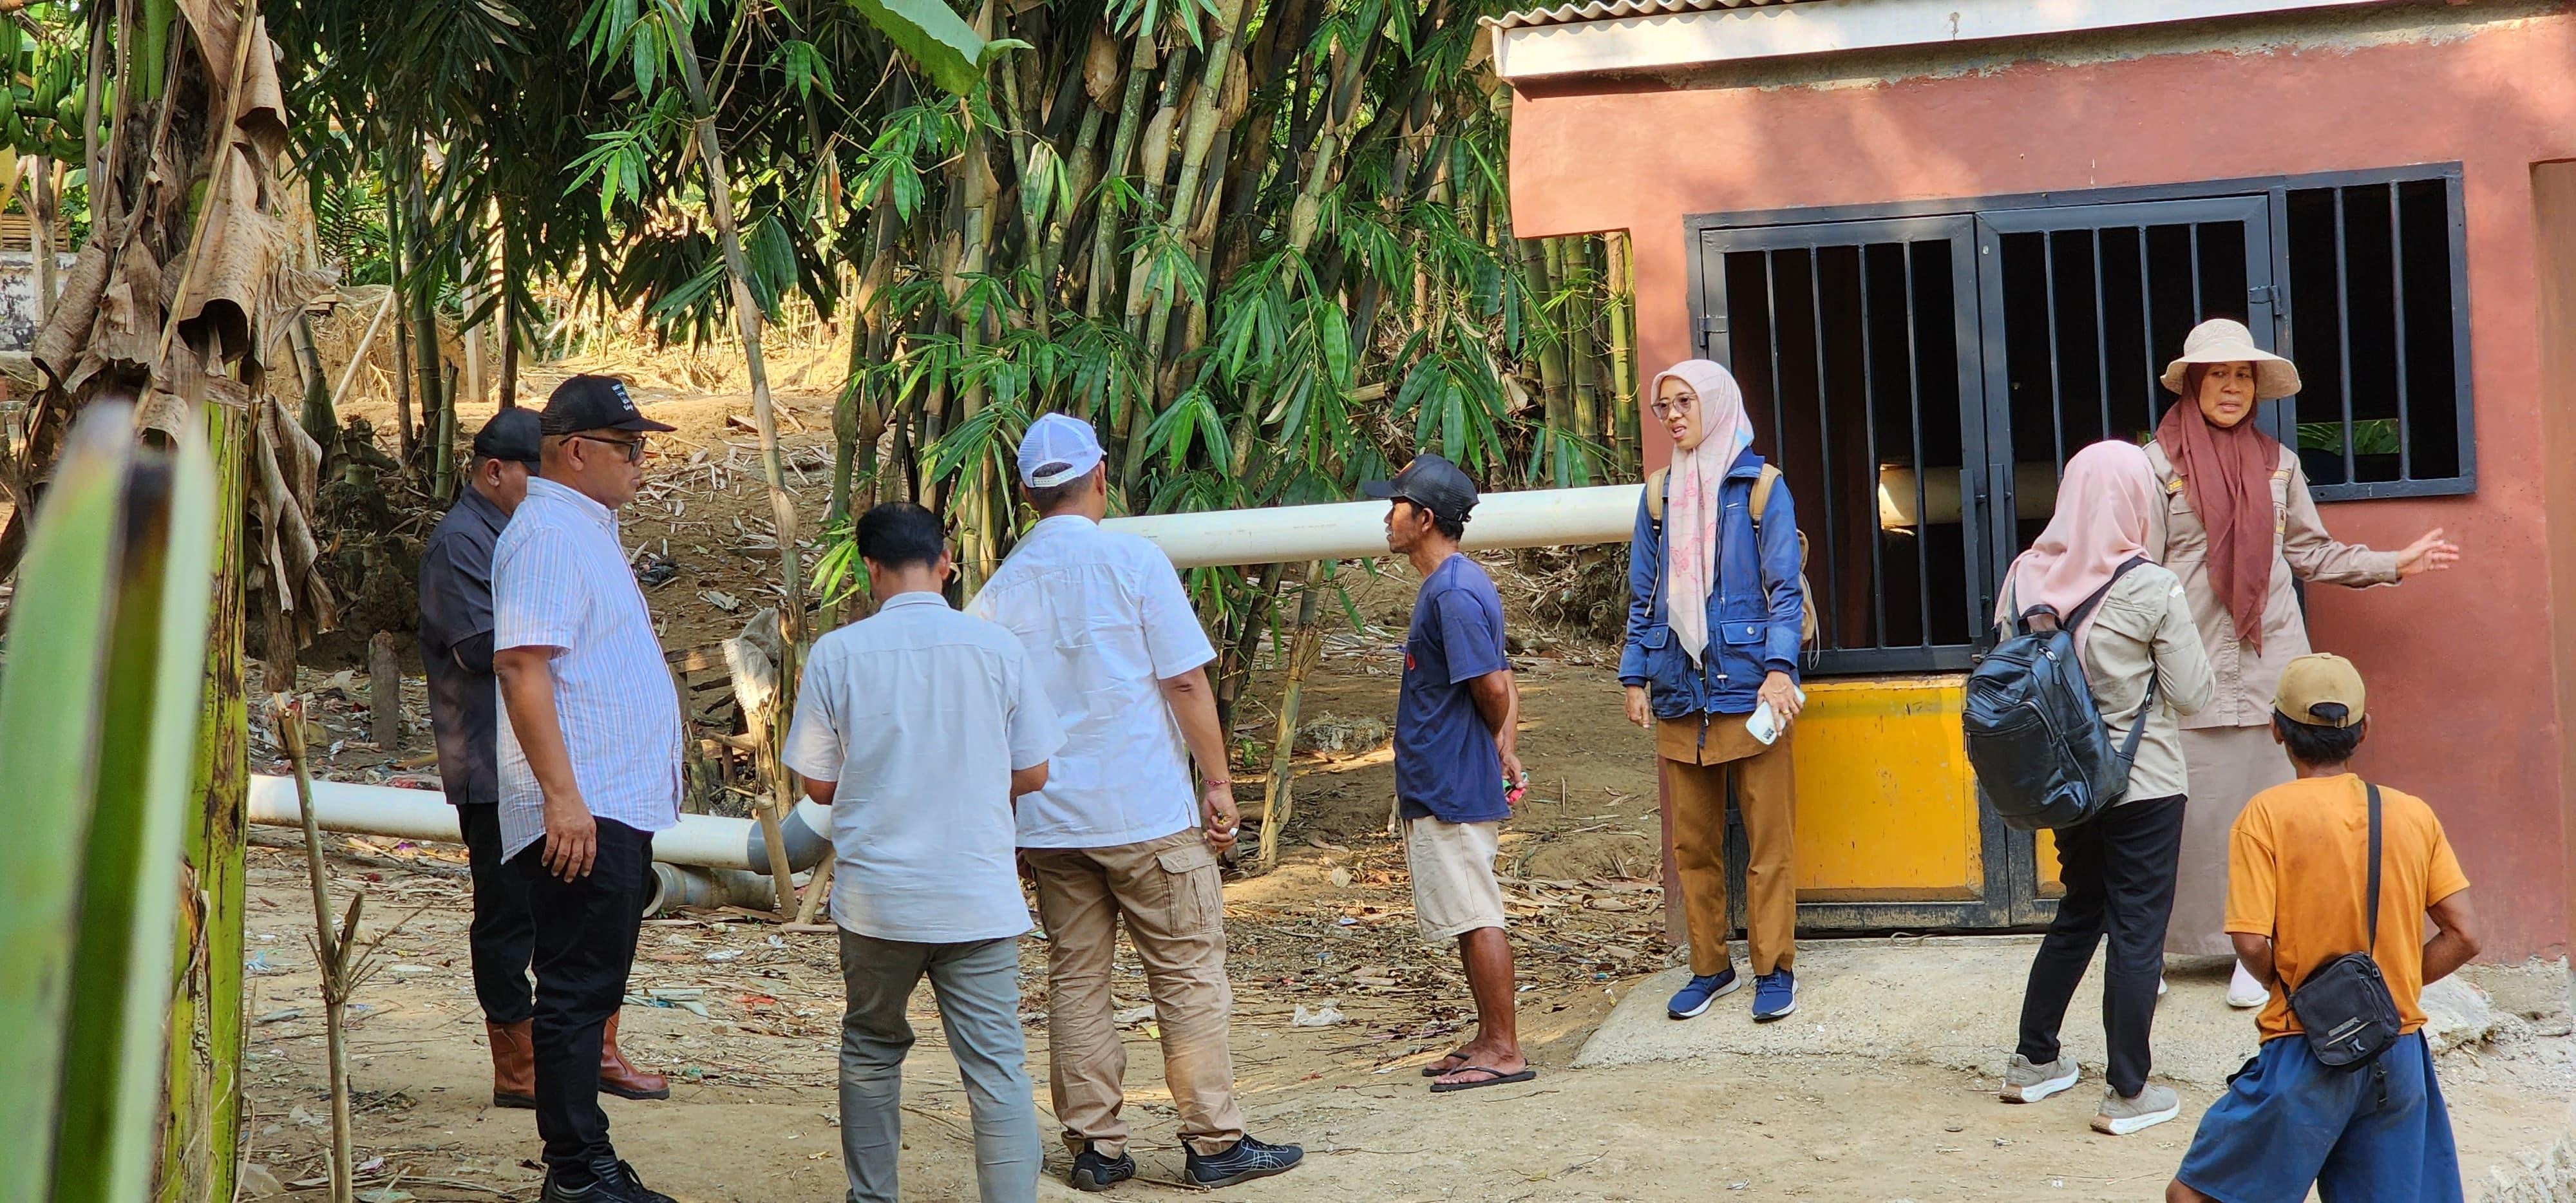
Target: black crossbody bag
[{"x": 2344, "y": 1007}]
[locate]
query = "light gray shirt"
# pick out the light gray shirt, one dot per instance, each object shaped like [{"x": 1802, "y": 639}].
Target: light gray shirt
[
  {"x": 918, "y": 716},
  {"x": 560, "y": 582}
]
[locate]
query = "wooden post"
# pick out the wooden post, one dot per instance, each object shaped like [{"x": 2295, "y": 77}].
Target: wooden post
[{"x": 384, "y": 690}]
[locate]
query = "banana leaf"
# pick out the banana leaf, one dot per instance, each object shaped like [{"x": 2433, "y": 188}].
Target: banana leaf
[{"x": 98, "y": 714}]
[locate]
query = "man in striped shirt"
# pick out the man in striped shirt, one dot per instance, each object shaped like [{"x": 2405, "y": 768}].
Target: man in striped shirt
[{"x": 590, "y": 761}]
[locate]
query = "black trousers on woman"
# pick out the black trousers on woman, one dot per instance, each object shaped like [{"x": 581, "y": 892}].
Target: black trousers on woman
[{"x": 2119, "y": 875}]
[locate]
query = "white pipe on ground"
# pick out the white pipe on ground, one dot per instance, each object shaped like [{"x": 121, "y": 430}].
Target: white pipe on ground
[
  {"x": 710, "y": 841},
  {"x": 1353, "y": 530}
]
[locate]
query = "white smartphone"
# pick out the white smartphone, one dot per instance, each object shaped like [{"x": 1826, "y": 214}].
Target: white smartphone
[{"x": 1764, "y": 725}]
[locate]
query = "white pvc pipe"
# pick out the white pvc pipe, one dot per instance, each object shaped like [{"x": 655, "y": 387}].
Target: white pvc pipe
[
  {"x": 712, "y": 841},
  {"x": 1353, "y": 530}
]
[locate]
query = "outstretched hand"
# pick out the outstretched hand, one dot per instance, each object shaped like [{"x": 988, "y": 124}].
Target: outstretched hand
[{"x": 2432, "y": 553}]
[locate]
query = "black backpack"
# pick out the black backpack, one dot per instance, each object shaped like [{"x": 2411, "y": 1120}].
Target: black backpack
[{"x": 2034, "y": 735}]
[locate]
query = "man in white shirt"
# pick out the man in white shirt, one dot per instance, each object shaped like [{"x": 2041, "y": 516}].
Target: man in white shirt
[
  {"x": 919, "y": 727},
  {"x": 1118, "y": 832},
  {"x": 590, "y": 761}
]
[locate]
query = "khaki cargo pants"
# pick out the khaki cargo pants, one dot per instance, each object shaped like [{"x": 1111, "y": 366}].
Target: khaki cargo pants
[{"x": 1169, "y": 893}]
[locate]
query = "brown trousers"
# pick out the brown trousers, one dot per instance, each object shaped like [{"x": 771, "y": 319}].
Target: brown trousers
[
  {"x": 1697, "y": 772},
  {"x": 1173, "y": 900}
]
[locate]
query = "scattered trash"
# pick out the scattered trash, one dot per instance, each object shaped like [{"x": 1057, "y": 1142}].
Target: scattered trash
[
  {"x": 257, "y": 1182},
  {"x": 1135, "y": 1015},
  {"x": 282, "y": 1015},
  {"x": 722, "y": 955},
  {"x": 1341, "y": 879},
  {"x": 410, "y": 970},
  {"x": 305, "y": 1119},
  {"x": 1324, "y": 1018},
  {"x": 385, "y": 1194},
  {"x": 258, "y": 966},
  {"x": 722, "y": 601},
  {"x": 656, "y": 569},
  {"x": 371, "y": 1165}
]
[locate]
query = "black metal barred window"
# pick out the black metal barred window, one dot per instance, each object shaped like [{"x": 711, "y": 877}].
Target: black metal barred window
[{"x": 1921, "y": 372}]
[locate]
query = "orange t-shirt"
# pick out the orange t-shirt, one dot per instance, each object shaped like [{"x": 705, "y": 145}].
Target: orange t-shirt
[{"x": 2297, "y": 871}]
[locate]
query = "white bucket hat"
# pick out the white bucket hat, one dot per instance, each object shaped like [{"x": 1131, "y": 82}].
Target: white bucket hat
[{"x": 2222, "y": 340}]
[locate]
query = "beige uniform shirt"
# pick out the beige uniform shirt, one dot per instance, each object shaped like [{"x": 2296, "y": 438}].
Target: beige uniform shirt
[
  {"x": 2144, "y": 626},
  {"x": 2301, "y": 551}
]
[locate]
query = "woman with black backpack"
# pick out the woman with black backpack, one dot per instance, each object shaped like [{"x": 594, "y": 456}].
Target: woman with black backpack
[{"x": 2143, "y": 661}]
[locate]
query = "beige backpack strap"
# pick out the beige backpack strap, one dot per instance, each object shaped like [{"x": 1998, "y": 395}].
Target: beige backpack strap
[
  {"x": 1655, "y": 492},
  {"x": 1762, "y": 491}
]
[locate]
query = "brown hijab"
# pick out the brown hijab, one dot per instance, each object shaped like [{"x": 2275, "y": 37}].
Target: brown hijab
[{"x": 2226, "y": 475}]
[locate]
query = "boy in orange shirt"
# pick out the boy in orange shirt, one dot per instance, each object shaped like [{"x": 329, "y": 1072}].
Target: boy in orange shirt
[{"x": 2297, "y": 877}]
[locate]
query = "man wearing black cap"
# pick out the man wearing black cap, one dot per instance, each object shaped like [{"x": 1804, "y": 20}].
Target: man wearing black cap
[
  {"x": 456, "y": 654},
  {"x": 589, "y": 765},
  {"x": 1457, "y": 764}
]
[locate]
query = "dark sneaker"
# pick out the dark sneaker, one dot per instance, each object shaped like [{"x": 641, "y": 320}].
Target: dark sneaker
[
  {"x": 1246, "y": 1160},
  {"x": 1775, "y": 995},
  {"x": 610, "y": 1182},
  {"x": 1091, "y": 1171},
  {"x": 1696, "y": 994}
]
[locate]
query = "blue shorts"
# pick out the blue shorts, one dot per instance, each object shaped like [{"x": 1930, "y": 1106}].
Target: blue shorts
[{"x": 2287, "y": 1121}]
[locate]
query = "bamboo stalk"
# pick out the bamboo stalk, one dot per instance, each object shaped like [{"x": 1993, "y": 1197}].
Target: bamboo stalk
[
  {"x": 1104, "y": 234},
  {"x": 1196, "y": 142},
  {"x": 1623, "y": 356},
  {"x": 330, "y": 954},
  {"x": 1278, "y": 800}
]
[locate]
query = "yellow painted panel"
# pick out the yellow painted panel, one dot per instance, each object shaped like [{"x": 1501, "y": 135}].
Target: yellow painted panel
[
  {"x": 1886, "y": 806},
  {"x": 2051, "y": 885}
]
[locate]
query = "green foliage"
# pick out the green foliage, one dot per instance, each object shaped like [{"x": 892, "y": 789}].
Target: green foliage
[{"x": 2370, "y": 436}]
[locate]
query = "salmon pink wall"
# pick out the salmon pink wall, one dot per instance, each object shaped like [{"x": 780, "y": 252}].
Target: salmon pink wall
[{"x": 2464, "y": 701}]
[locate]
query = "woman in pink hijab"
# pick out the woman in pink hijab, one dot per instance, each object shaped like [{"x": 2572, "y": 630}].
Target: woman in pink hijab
[
  {"x": 1714, "y": 624},
  {"x": 2133, "y": 627}
]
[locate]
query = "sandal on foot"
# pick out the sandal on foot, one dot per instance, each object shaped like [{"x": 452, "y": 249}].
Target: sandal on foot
[
  {"x": 1495, "y": 1077},
  {"x": 1441, "y": 1067}
]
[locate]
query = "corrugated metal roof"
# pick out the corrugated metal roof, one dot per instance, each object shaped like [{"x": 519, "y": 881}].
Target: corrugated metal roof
[{"x": 1598, "y": 10}]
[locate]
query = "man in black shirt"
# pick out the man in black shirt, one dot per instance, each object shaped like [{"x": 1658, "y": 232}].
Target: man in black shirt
[{"x": 456, "y": 653}]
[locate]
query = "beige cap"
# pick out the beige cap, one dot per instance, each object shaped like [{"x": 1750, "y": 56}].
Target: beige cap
[
  {"x": 2318, "y": 680},
  {"x": 2221, "y": 340}
]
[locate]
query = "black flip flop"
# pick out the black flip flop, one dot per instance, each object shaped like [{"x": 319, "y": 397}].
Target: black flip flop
[
  {"x": 1433, "y": 1070},
  {"x": 1499, "y": 1078}
]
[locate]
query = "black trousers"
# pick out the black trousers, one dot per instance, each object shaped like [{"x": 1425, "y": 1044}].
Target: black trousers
[
  {"x": 585, "y": 944},
  {"x": 2119, "y": 875},
  {"x": 503, "y": 937}
]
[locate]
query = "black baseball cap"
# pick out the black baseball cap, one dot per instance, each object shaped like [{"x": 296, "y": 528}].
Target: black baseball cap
[
  {"x": 595, "y": 403},
  {"x": 1432, "y": 483},
  {"x": 513, "y": 434}
]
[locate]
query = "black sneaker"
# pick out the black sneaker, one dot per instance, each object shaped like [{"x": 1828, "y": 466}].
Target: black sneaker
[
  {"x": 1247, "y": 1160},
  {"x": 1091, "y": 1171},
  {"x": 609, "y": 1182}
]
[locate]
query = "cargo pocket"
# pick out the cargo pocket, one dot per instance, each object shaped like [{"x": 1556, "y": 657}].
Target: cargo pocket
[{"x": 1196, "y": 888}]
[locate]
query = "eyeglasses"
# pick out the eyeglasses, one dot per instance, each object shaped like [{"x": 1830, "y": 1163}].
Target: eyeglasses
[
  {"x": 1666, "y": 409},
  {"x": 634, "y": 447}
]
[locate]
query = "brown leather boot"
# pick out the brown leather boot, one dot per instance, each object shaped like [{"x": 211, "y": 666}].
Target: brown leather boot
[
  {"x": 619, "y": 1077},
  {"x": 514, "y": 1064}
]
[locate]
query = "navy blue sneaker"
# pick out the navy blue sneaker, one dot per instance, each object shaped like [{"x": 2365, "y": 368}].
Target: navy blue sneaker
[
  {"x": 1246, "y": 1160},
  {"x": 1775, "y": 995},
  {"x": 1094, "y": 1172},
  {"x": 1695, "y": 995}
]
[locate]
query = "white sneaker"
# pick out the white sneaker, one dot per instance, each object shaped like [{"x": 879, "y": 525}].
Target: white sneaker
[
  {"x": 2160, "y": 987},
  {"x": 2120, "y": 1117},
  {"x": 2244, "y": 993},
  {"x": 2028, "y": 1083}
]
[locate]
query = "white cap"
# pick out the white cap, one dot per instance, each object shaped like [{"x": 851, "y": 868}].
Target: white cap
[{"x": 1057, "y": 450}]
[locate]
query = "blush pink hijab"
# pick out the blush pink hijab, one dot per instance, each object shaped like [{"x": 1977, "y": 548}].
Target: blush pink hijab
[
  {"x": 1691, "y": 505},
  {"x": 2104, "y": 503}
]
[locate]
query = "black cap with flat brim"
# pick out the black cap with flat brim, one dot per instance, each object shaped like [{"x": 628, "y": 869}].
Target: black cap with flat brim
[
  {"x": 594, "y": 403},
  {"x": 1432, "y": 483},
  {"x": 513, "y": 434}
]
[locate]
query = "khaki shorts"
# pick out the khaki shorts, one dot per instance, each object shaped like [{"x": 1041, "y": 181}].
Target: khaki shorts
[{"x": 1454, "y": 891}]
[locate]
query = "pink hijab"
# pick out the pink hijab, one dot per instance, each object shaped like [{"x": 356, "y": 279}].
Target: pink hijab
[
  {"x": 2103, "y": 507},
  {"x": 1690, "y": 509}
]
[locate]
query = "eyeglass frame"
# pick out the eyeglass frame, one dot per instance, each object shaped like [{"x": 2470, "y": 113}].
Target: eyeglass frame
[{"x": 635, "y": 448}]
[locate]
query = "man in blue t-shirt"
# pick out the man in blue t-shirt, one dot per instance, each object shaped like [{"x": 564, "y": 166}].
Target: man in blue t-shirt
[{"x": 1456, "y": 767}]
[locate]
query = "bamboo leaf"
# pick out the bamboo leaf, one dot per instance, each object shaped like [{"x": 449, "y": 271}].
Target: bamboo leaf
[{"x": 935, "y": 37}]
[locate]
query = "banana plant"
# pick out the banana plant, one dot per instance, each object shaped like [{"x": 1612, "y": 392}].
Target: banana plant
[{"x": 98, "y": 722}]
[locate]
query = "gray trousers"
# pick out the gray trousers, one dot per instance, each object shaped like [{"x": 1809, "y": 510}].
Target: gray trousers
[{"x": 978, "y": 989}]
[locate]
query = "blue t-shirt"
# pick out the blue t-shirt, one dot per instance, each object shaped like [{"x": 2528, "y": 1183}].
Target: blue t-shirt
[{"x": 1446, "y": 764}]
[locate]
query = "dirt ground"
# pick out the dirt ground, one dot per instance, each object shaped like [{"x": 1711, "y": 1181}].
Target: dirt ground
[{"x": 1330, "y": 931}]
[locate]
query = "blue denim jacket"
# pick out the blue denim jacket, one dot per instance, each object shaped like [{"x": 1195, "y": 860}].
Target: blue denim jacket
[{"x": 1754, "y": 614}]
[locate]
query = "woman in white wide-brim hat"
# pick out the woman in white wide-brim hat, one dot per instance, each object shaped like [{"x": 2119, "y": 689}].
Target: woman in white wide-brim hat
[{"x": 2239, "y": 528}]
